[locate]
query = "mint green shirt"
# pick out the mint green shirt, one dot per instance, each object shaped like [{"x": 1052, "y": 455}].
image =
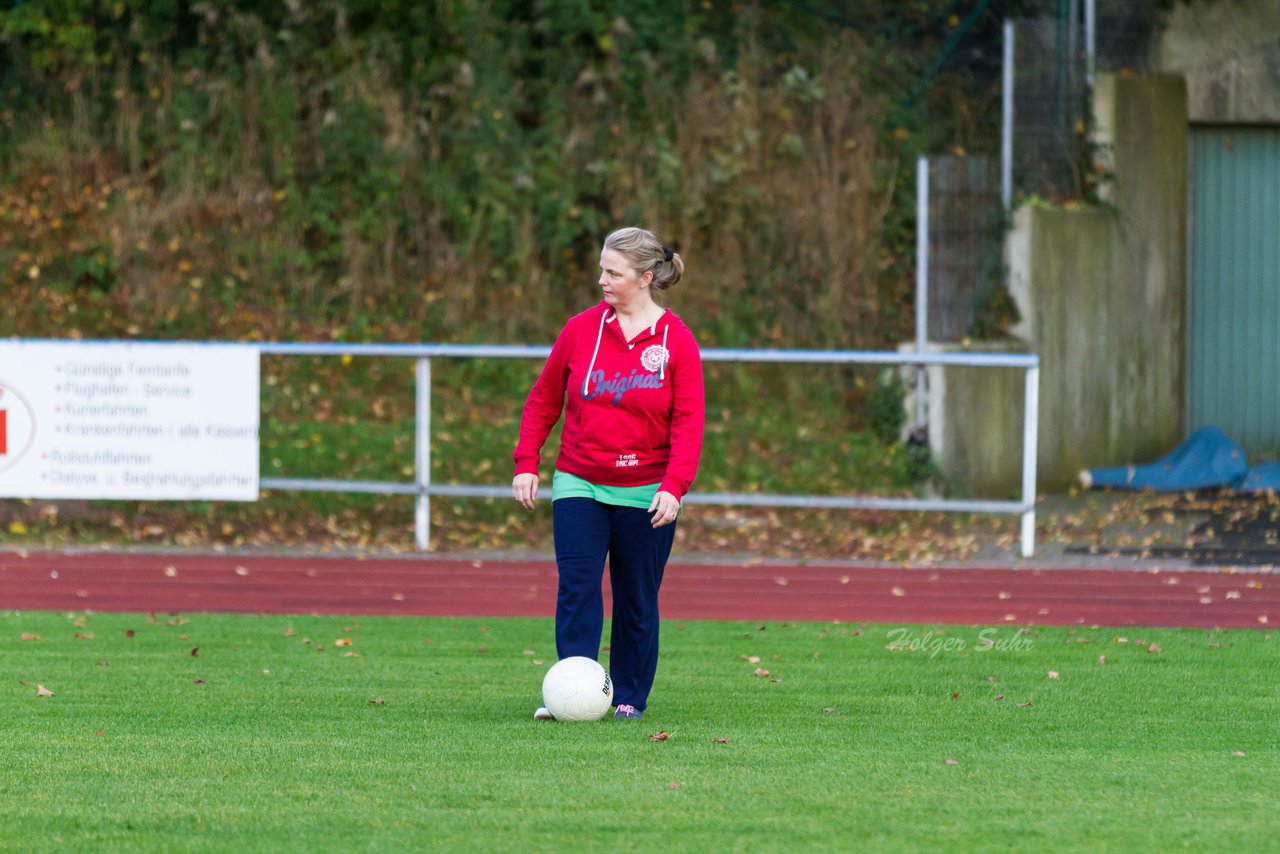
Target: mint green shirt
[{"x": 565, "y": 485}]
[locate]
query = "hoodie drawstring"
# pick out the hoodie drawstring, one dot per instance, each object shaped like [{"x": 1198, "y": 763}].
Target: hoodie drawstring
[
  {"x": 662, "y": 368},
  {"x": 604, "y": 318}
]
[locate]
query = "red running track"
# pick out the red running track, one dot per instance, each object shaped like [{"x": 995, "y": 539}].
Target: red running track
[{"x": 179, "y": 583}]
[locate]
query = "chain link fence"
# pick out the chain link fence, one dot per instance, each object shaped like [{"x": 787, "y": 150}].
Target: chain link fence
[
  {"x": 1055, "y": 56},
  {"x": 1049, "y": 98},
  {"x": 1055, "y": 53},
  {"x": 966, "y": 235}
]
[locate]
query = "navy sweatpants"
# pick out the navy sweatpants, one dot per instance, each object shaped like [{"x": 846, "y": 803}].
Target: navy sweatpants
[{"x": 587, "y": 531}]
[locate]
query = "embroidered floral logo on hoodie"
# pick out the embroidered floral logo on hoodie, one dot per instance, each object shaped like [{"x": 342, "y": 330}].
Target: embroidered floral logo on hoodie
[{"x": 654, "y": 357}]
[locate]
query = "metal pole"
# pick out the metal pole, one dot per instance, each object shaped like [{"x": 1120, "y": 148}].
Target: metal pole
[
  {"x": 1030, "y": 431},
  {"x": 1090, "y": 40},
  {"x": 1006, "y": 119},
  {"x": 922, "y": 280},
  {"x": 422, "y": 455}
]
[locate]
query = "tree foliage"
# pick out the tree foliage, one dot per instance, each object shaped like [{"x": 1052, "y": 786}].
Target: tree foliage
[{"x": 450, "y": 167}]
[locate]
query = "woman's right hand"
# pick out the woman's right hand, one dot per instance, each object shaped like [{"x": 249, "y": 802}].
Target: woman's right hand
[{"x": 524, "y": 487}]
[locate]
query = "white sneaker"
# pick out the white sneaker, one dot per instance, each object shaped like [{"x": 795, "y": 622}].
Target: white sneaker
[{"x": 543, "y": 715}]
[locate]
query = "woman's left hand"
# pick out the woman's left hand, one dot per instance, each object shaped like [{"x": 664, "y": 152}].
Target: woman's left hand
[{"x": 665, "y": 508}]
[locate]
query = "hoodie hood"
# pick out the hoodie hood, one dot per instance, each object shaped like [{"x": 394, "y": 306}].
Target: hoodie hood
[{"x": 654, "y": 357}]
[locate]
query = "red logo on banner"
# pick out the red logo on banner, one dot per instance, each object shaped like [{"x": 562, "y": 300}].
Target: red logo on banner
[{"x": 17, "y": 426}]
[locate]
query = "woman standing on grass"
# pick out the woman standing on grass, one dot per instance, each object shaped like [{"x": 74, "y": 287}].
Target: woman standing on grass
[{"x": 628, "y": 453}]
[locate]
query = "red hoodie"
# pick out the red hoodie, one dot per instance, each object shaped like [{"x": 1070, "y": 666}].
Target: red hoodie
[{"x": 635, "y": 407}]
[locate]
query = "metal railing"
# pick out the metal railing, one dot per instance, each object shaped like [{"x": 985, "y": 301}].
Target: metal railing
[{"x": 423, "y": 488}]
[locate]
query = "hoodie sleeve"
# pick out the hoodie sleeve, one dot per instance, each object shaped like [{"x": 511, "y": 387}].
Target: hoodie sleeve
[
  {"x": 688, "y": 409},
  {"x": 543, "y": 406}
]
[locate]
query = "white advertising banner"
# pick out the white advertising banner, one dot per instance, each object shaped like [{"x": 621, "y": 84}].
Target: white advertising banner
[{"x": 106, "y": 419}]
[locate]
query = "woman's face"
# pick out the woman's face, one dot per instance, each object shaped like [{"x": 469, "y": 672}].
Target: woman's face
[{"x": 619, "y": 281}]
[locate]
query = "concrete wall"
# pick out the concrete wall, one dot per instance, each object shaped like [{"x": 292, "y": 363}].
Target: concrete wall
[
  {"x": 1229, "y": 53},
  {"x": 975, "y": 422},
  {"x": 1102, "y": 294}
]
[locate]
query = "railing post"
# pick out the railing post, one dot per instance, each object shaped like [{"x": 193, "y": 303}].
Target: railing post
[
  {"x": 422, "y": 455},
  {"x": 1030, "y": 431}
]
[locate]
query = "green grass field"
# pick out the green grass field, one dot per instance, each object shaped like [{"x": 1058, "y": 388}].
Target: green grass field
[{"x": 207, "y": 732}]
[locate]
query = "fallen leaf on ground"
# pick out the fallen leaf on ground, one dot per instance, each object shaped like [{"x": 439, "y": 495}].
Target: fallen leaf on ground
[
  {"x": 752, "y": 659},
  {"x": 195, "y": 652},
  {"x": 378, "y": 702},
  {"x": 673, "y": 785},
  {"x": 342, "y": 642},
  {"x": 950, "y": 762},
  {"x": 1236, "y": 753},
  {"x": 1052, "y": 674},
  {"x": 42, "y": 691},
  {"x": 660, "y": 735},
  {"x": 761, "y": 672},
  {"x": 720, "y": 740},
  {"x": 1154, "y": 648},
  {"x": 29, "y": 636}
]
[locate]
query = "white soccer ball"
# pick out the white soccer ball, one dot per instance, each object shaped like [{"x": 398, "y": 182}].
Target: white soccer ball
[{"x": 577, "y": 689}]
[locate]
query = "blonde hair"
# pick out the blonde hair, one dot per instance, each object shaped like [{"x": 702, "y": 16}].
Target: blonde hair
[{"x": 646, "y": 255}]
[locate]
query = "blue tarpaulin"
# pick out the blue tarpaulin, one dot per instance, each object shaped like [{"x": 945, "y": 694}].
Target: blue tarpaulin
[
  {"x": 1261, "y": 478},
  {"x": 1208, "y": 458}
]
